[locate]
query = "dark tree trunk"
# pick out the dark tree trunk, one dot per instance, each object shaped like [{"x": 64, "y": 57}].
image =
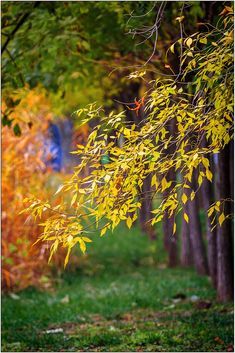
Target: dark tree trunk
[
  {"x": 146, "y": 208},
  {"x": 225, "y": 243},
  {"x": 186, "y": 251},
  {"x": 208, "y": 197},
  {"x": 199, "y": 253},
  {"x": 170, "y": 241},
  {"x": 211, "y": 234}
]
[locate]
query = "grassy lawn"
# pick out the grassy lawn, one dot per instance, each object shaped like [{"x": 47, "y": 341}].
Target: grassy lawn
[{"x": 121, "y": 297}]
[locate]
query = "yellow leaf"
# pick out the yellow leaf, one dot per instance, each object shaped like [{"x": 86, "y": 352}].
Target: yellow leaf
[
  {"x": 221, "y": 218},
  {"x": 103, "y": 231},
  {"x": 172, "y": 48},
  {"x": 189, "y": 176},
  {"x": 165, "y": 184},
  {"x": 205, "y": 162},
  {"x": 209, "y": 174},
  {"x": 126, "y": 132},
  {"x": 74, "y": 199},
  {"x": 154, "y": 180},
  {"x": 82, "y": 191},
  {"x": 174, "y": 228},
  {"x": 210, "y": 211},
  {"x": 199, "y": 180},
  {"x": 129, "y": 222},
  {"x": 107, "y": 178},
  {"x": 184, "y": 198},
  {"x": 82, "y": 245},
  {"x": 186, "y": 217},
  {"x": 66, "y": 260},
  {"x": 228, "y": 117},
  {"x": 159, "y": 218},
  {"x": 59, "y": 189},
  {"x": 192, "y": 196},
  {"x": 70, "y": 238},
  {"x": 203, "y": 40},
  {"x": 180, "y": 19},
  {"x": 189, "y": 42},
  {"x": 87, "y": 239}
]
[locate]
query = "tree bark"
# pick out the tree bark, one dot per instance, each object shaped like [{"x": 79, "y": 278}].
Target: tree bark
[
  {"x": 146, "y": 208},
  {"x": 186, "y": 248},
  {"x": 208, "y": 197},
  {"x": 199, "y": 253},
  {"x": 225, "y": 243},
  {"x": 211, "y": 234},
  {"x": 170, "y": 242}
]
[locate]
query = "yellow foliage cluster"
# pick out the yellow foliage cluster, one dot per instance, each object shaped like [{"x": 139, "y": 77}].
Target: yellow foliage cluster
[{"x": 110, "y": 192}]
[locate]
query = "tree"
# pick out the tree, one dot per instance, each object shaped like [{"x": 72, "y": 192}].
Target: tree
[
  {"x": 225, "y": 244},
  {"x": 110, "y": 192}
]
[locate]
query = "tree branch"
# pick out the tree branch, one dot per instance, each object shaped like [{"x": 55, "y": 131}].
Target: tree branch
[{"x": 18, "y": 25}]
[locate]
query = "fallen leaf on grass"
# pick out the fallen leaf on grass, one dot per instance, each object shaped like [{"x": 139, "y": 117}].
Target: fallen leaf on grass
[
  {"x": 65, "y": 300},
  {"x": 14, "y": 296},
  {"x": 56, "y": 330},
  {"x": 112, "y": 328}
]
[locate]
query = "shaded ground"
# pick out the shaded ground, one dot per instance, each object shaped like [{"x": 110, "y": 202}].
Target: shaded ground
[{"x": 120, "y": 298}]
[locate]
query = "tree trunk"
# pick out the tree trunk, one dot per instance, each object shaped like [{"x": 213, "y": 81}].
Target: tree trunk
[
  {"x": 208, "y": 197},
  {"x": 186, "y": 251},
  {"x": 170, "y": 242},
  {"x": 211, "y": 234},
  {"x": 199, "y": 253},
  {"x": 146, "y": 208},
  {"x": 225, "y": 243}
]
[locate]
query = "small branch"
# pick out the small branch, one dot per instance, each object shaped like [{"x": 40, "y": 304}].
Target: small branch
[{"x": 17, "y": 27}]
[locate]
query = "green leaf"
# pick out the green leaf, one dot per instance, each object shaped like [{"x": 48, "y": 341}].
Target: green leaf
[{"x": 17, "y": 130}]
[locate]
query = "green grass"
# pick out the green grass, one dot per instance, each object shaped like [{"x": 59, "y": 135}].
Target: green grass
[{"x": 120, "y": 297}]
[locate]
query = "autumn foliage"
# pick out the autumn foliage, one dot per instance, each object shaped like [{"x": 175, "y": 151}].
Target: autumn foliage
[{"x": 23, "y": 173}]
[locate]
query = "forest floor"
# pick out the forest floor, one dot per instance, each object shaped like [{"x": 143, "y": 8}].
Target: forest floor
[{"x": 121, "y": 297}]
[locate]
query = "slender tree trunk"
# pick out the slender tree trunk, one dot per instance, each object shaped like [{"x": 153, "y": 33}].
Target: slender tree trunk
[
  {"x": 199, "y": 253},
  {"x": 225, "y": 243},
  {"x": 207, "y": 195},
  {"x": 170, "y": 242},
  {"x": 186, "y": 251},
  {"x": 211, "y": 234},
  {"x": 146, "y": 208}
]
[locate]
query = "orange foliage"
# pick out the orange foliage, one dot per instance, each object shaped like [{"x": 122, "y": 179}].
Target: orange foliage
[{"x": 23, "y": 173}]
